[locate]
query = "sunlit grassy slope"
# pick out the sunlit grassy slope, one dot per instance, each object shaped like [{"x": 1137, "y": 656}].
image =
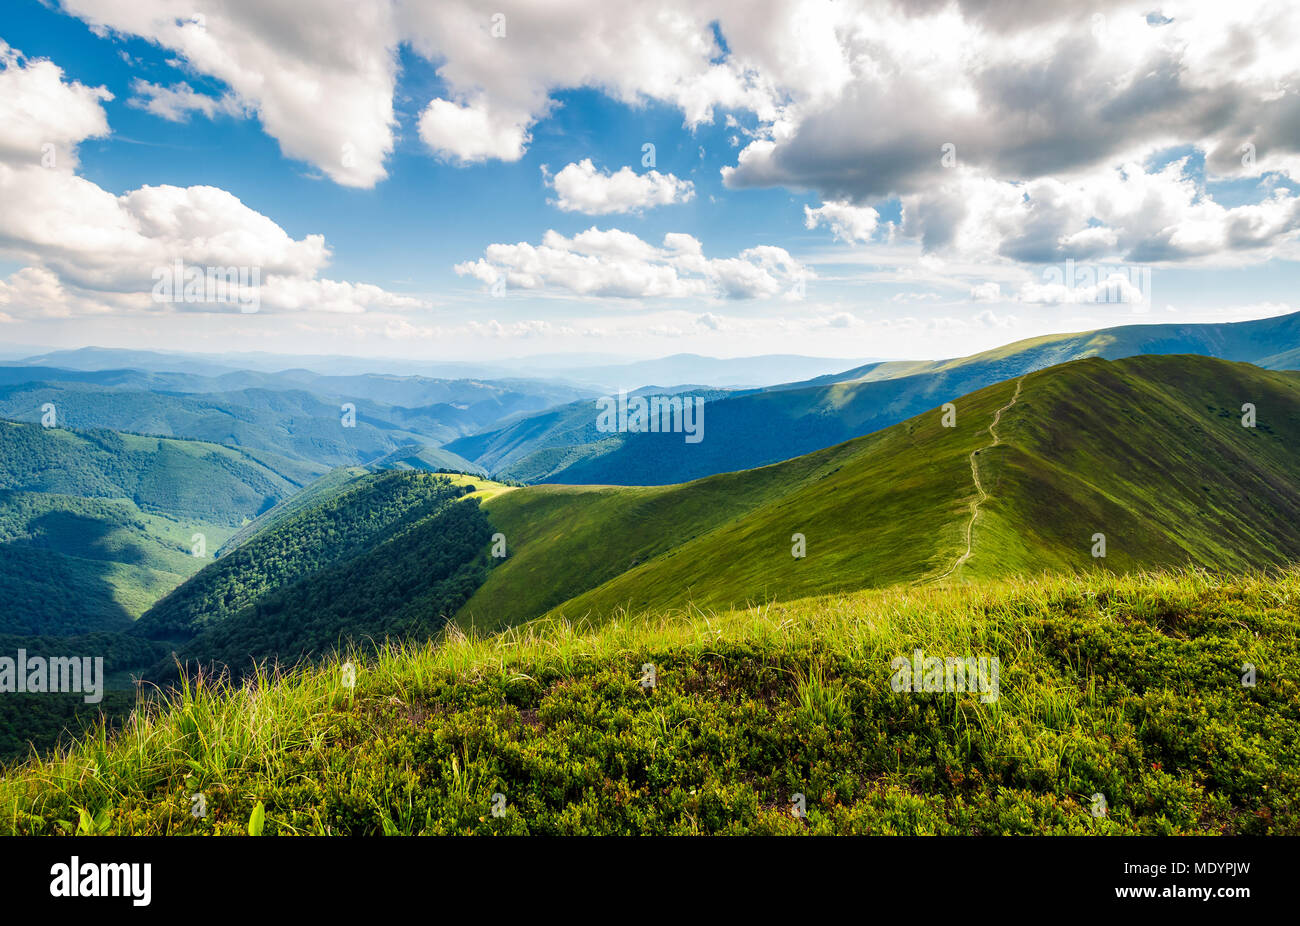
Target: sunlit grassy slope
[
  {"x": 1149, "y": 451},
  {"x": 1127, "y": 691}
]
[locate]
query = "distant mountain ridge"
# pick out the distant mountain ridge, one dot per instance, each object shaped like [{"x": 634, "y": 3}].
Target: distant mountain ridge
[
  {"x": 750, "y": 428},
  {"x": 601, "y": 373}
]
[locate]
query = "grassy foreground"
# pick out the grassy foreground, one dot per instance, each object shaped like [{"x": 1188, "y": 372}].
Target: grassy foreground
[{"x": 1128, "y": 688}]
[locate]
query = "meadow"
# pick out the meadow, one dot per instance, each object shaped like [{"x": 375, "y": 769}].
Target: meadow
[{"x": 1157, "y": 703}]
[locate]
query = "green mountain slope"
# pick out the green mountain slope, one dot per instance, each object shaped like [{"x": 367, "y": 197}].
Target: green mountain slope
[
  {"x": 748, "y": 429},
  {"x": 316, "y": 492},
  {"x": 70, "y": 565},
  {"x": 537, "y": 447},
  {"x": 96, "y": 526},
  {"x": 1149, "y": 451},
  {"x": 389, "y": 553},
  {"x": 425, "y": 458},
  {"x": 1258, "y": 341},
  {"x": 176, "y": 477}
]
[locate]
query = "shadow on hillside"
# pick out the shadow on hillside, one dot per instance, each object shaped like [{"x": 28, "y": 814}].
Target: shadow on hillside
[{"x": 43, "y": 591}]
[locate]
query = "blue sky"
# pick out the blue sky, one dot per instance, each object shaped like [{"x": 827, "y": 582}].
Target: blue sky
[{"x": 819, "y": 217}]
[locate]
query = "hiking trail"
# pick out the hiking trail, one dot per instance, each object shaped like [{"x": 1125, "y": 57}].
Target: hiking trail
[{"x": 979, "y": 486}]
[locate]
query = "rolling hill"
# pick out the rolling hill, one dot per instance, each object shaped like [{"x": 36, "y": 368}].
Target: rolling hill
[
  {"x": 1149, "y": 451},
  {"x": 1124, "y": 687},
  {"x": 95, "y": 526},
  {"x": 373, "y": 555},
  {"x": 753, "y": 428}
]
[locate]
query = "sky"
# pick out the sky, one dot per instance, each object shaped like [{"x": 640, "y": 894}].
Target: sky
[{"x": 461, "y": 180}]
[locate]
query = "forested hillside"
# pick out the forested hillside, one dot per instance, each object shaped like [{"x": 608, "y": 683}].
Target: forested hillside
[
  {"x": 176, "y": 477},
  {"x": 96, "y": 526},
  {"x": 392, "y": 553}
]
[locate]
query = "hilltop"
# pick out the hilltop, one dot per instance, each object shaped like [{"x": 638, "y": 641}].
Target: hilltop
[{"x": 1031, "y": 471}]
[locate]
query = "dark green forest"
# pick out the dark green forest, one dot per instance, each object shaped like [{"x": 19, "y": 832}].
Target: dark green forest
[
  {"x": 376, "y": 509},
  {"x": 405, "y": 586}
]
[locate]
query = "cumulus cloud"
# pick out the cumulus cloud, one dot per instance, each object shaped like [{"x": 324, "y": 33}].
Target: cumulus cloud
[
  {"x": 177, "y": 102},
  {"x": 471, "y": 133},
  {"x": 1126, "y": 212},
  {"x": 618, "y": 264},
  {"x": 1018, "y": 132},
  {"x": 859, "y": 102},
  {"x": 91, "y": 251},
  {"x": 1028, "y": 96},
  {"x": 320, "y": 81},
  {"x": 580, "y": 187},
  {"x": 505, "y": 76},
  {"x": 42, "y": 117},
  {"x": 847, "y": 222}
]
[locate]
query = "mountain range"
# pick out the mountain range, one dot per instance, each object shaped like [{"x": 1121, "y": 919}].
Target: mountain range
[
  {"x": 751, "y": 428},
  {"x": 1030, "y": 475}
]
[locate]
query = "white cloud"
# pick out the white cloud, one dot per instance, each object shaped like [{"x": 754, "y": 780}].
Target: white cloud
[
  {"x": 42, "y": 118},
  {"x": 582, "y": 188},
  {"x": 664, "y": 52},
  {"x": 618, "y": 264},
  {"x": 321, "y": 80},
  {"x": 844, "y": 320},
  {"x": 991, "y": 319},
  {"x": 847, "y": 222},
  {"x": 855, "y": 101},
  {"x": 175, "y": 103},
  {"x": 37, "y": 291},
  {"x": 468, "y": 134},
  {"x": 90, "y": 251},
  {"x": 1124, "y": 212}
]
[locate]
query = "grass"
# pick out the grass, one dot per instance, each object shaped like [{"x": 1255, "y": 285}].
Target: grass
[
  {"x": 874, "y": 511},
  {"x": 1129, "y": 687},
  {"x": 1149, "y": 451}
]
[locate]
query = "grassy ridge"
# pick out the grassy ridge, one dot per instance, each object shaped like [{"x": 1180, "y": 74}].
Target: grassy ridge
[
  {"x": 1149, "y": 451},
  {"x": 880, "y": 509},
  {"x": 1128, "y": 688}
]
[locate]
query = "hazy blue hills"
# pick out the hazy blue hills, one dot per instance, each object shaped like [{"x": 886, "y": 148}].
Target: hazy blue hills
[
  {"x": 751, "y": 428},
  {"x": 295, "y": 431}
]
